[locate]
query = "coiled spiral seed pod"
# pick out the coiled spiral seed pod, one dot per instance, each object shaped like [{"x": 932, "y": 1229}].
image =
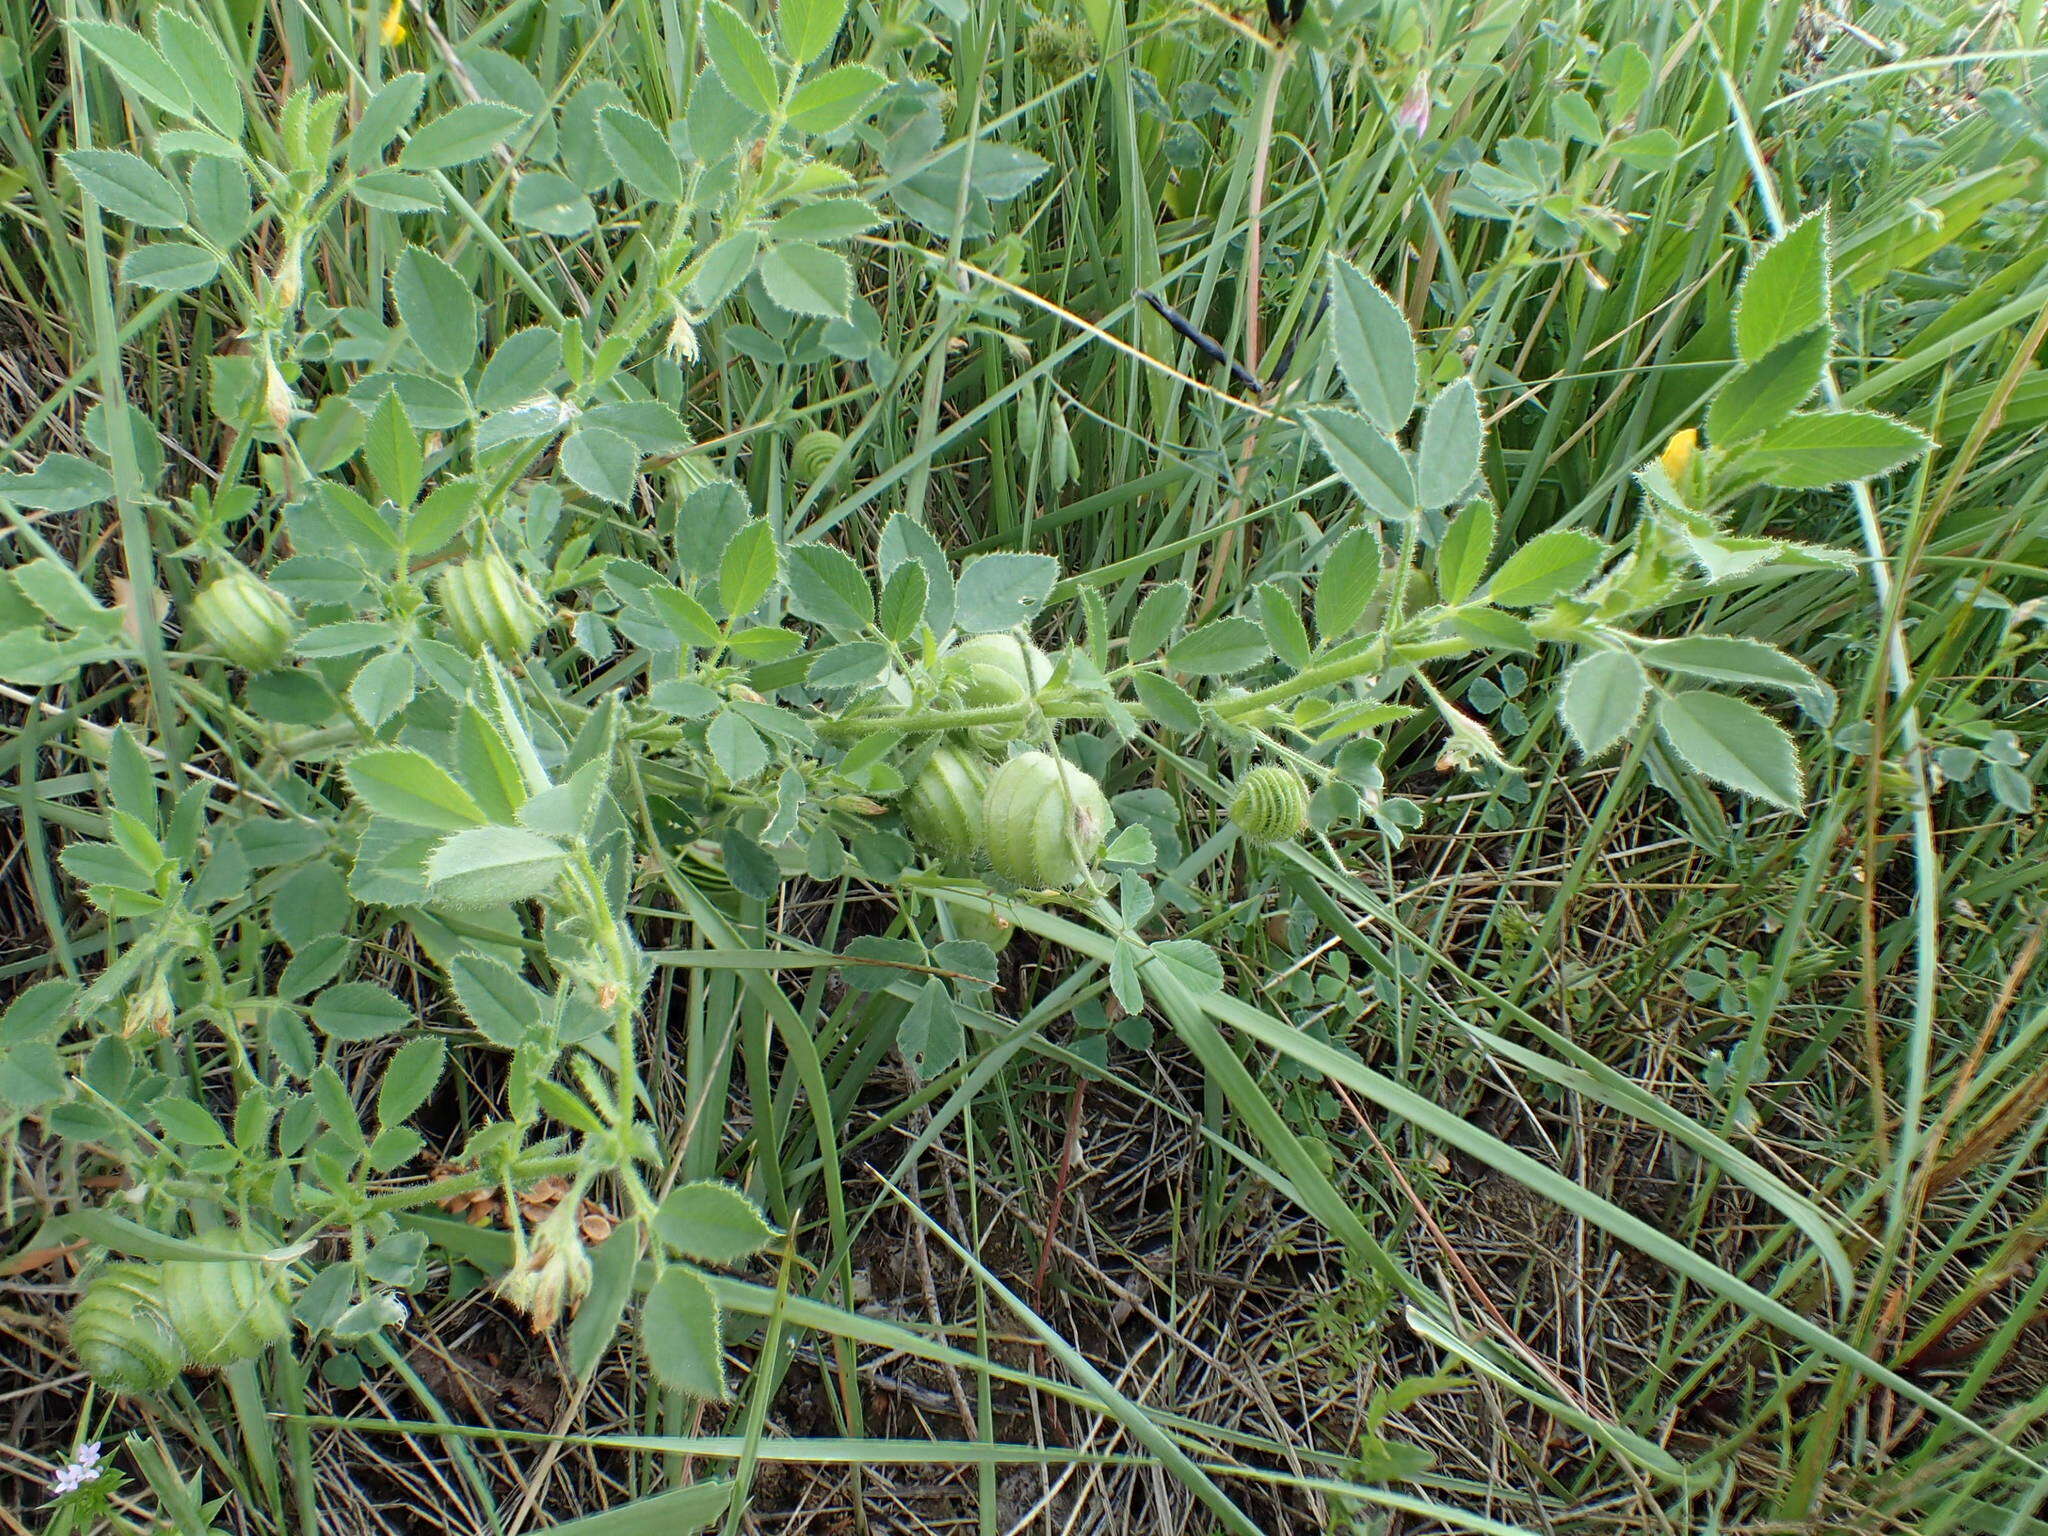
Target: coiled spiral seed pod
[
  {"x": 248, "y": 622},
  {"x": 225, "y": 1310},
  {"x": 489, "y": 608},
  {"x": 813, "y": 455},
  {"x": 1271, "y": 805},
  {"x": 1045, "y": 821},
  {"x": 1011, "y": 654},
  {"x": 984, "y": 685},
  {"x": 992, "y": 671},
  {"x": 942, "y": 807},
  {"x": 121, "y": 1334}
]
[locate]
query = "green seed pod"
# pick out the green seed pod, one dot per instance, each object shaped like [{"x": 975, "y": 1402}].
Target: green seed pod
[
  {"x": 942, "y": 807},
  {"x": 1271, "y": 805},
  {"x": 983, "y": 685},
  {"x": 1060, "y": 462},
  {"x": 1010, "y": 653},
  {"x": 995, "y": 671},
  {"x": 120, "y": 1332},
  {"x": 489, "y": 608},
  {"x": 1058, "y": 49},
  {"x": 1045, "y": 820},
  {"x": 971, "y": 923},
  {"x": 225, "y": 1310},
  {"x": 813, "y": 455},
  {"x": 246, "y": 621}
]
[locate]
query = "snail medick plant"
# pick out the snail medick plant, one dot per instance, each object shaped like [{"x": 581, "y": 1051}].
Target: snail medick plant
[
  {"x": 224, "y": 1310},
  {"x": 121, "y": 1333},
  {"x": 793, "y": 698},
  {"x": 813, "y": 454},
  {"x": 138, "y": 1325}
]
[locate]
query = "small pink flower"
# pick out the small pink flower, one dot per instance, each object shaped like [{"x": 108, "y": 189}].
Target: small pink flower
[
  {"x": 1413, "y": 113},
  {"x": 77, "y": 1473}
]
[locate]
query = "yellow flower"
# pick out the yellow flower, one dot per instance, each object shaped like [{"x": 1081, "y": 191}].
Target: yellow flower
[
  {"x": 392, "y": 29},
  {"x": 1678, "y": 455}
]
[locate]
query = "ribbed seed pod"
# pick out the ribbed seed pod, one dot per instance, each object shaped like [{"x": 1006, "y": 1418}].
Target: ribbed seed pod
[
  {"x": 121, "y": 1334},
  {"x": 942, "y": 807},
  {"x": 245, "y": 620},
  {"x": 1011, "y": 653},
  {"x": 1045, "y": 820},
  {"x": 985, "y": 685},
  {"x": 225, "y": 1310},
  {"x": 991, "y": 671},
  {"x": 813, "y": 455},
  {"x": 1271, "y": 805},
  {"x": 489, "y": 608}
]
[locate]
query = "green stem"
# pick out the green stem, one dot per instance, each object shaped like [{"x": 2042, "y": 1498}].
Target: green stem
[
  {"x": 137, "y": 546},
  {"x": 415, "y": 1195},
  {"x": 1367, "y": 662}
]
